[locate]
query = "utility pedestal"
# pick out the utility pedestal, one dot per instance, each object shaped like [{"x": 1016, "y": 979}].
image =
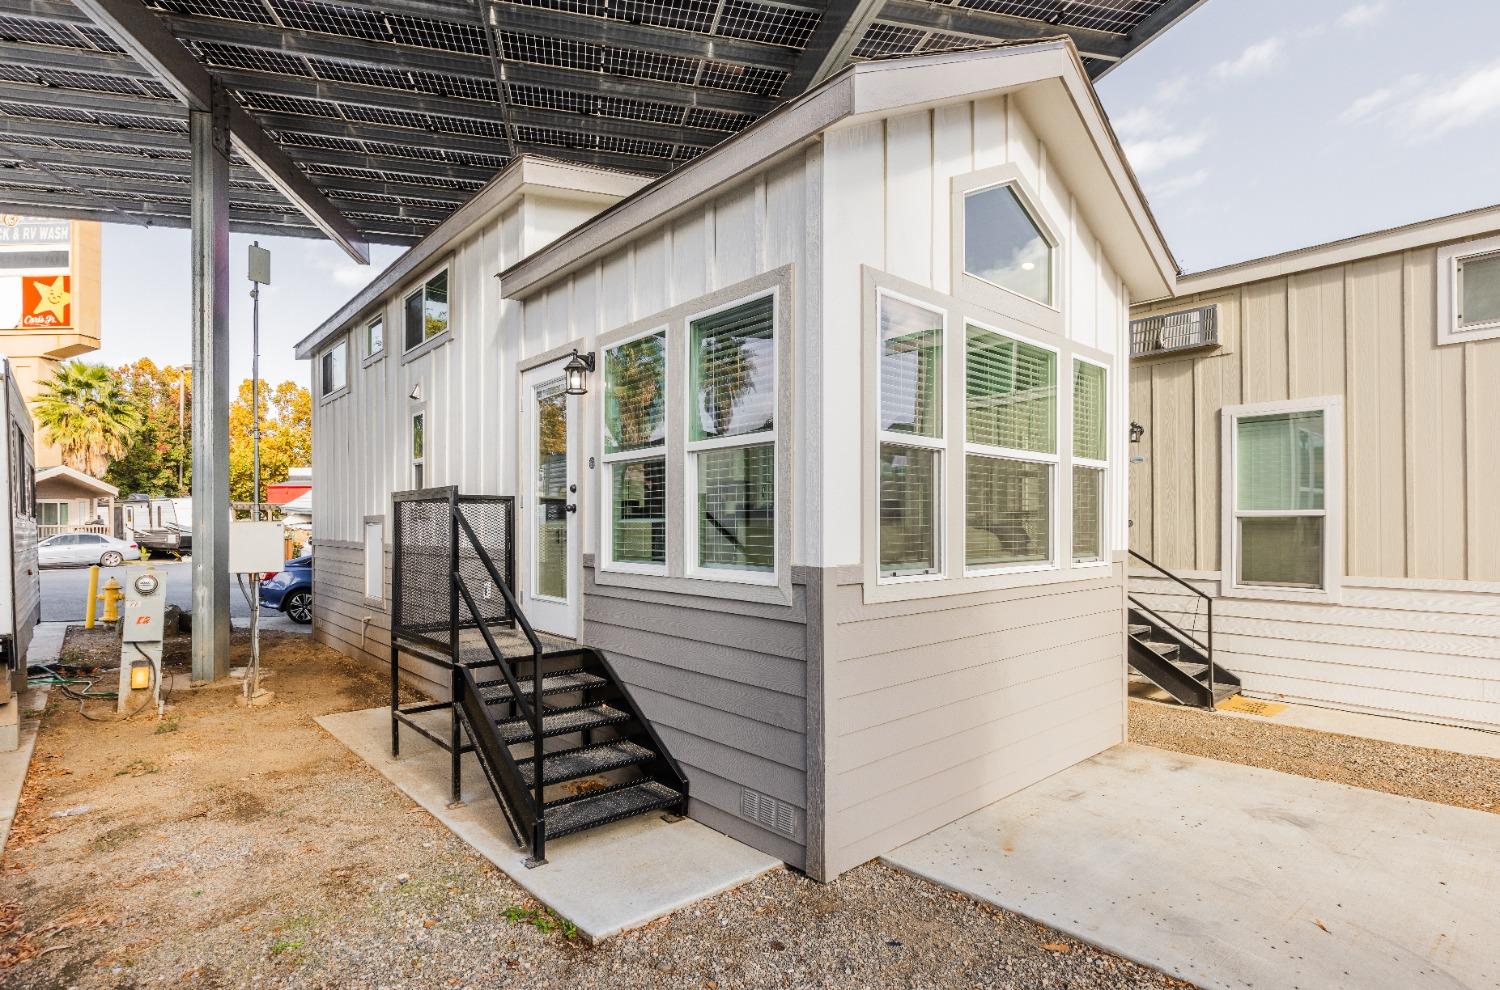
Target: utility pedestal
[{"x": 141, "y": 626}]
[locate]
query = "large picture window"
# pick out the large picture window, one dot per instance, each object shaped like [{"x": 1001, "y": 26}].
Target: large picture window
[
  {"x": 426, "y": 312},
  {"x": 1090, "y": 459},
  {"x": 911, "y": 436},
  {"x": 635, "y": 433},
  {"x": 732, "y": 437},
  {"x": 1010, "y": 392},
  {"x": 1282, "y": 481}
]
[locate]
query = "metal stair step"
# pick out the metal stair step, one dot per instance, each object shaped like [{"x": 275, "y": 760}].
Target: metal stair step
[
  {"x": 586, "y": 761},
  {"x": 1224, "y": 691},
  {"x": 1196, "y": 671},
  {"x": 1139, "y": 629},
  {"x": 1159, "y": 648},
  {"x": 497, "y": 692},
  {"x": 602, "y": 807},
  {"x": 561, "y": 722}
]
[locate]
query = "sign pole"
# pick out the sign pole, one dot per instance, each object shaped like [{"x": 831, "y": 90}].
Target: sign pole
[{"x": 260, "y": 274}]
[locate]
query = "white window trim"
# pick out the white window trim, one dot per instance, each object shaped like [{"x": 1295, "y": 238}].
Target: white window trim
[
  {"x": 974, "y": 289},
  {"x": 608, "y": 460},
  {"x": 938, "y": 444},
  {"x": 692, "y": 448},
  {"x": 378, "y": 599},
  {"x": 413, "y": 461},
  {"x": 1332, "y": 408},
  {"x": 329, "y": 395},
  {"x": 1105, "y": 502},
  {"x": 957, "y": 578},
  {"x": 414, "y": 288},
  {"x": 1448, "y": 297}
]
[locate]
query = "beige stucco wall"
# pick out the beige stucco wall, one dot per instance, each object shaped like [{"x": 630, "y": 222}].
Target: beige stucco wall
[{"x": 1422, "y": 422}]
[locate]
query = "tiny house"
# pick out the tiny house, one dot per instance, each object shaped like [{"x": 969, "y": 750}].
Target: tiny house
[
  {"x": 1320, "y": 450},
  {"x": 820, "y": 438}
]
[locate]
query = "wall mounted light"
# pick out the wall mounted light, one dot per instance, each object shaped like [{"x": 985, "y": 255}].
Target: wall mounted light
[
  {"x": 577, "y": 371},
  {"x": 416, "y": 392},
  {"x": 1136, "y": 432}
]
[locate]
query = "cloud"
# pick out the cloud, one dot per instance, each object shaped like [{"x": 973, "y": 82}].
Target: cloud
[
  {"x": 1153, "y": 154},
  {"x": 1379, "y": 99},
  {"x": 1363, "y": 13},
  {"x": 1469, "y": 99},
  {"x": 1254, "y": 60},
  {"x": 1165, "y": 189}
]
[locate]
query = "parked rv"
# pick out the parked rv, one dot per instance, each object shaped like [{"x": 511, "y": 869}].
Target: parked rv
[
  {"x": 158, "y": 524},
  {"x": 20, "y": 584}
]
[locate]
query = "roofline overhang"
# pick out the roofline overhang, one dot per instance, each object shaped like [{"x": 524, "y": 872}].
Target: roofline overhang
[
  {"x": 526, "y": 174},
  {"x": 1469, "y": 224},
  {"x": 77, "y": 477},
  {"x": 864, "y": 88}
]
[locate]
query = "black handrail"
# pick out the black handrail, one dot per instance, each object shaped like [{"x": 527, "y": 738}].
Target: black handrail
[
  {"x": 539, "y": 826},
  {"x": 1207, "y": 647}
]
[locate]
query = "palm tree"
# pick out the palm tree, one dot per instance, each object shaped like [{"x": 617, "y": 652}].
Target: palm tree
[{"x": 84, "y": 412}]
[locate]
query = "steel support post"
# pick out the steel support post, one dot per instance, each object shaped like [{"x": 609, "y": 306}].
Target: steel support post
[{"x": 209, "y": 131}]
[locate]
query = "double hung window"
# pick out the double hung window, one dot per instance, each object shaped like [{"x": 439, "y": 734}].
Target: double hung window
[
  {"x": 911, "y": 436},
  {"x": 635, "y": 456}
]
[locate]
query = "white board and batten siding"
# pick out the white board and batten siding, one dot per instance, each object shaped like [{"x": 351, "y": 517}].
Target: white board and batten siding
[
  {"x": 938, "y": 706},
  {"x": 361, "y": 449},
  {"x": 724, "y": 682},
  {"x": 1415, "y": 631}
]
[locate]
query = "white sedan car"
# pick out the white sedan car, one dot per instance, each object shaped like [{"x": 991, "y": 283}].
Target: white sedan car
[{"x": 85, "y": 548}]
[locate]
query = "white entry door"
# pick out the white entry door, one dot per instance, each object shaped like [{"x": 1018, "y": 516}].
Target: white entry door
[{"x": 550, "y": 573}]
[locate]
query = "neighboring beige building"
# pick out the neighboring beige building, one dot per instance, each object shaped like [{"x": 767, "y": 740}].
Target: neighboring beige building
[
  {"x": 49, "y": 301},
  {"x": 1348, "y": 393},
  {"x": 69, "y": 501}
]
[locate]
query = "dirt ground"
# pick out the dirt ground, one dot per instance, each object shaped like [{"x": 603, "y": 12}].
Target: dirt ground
[
  {"x": 1410, "y": 771},
  {"x": 225, "y": 848}
]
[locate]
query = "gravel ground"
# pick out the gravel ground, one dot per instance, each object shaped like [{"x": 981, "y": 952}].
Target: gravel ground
[
  {"x": 1410, "y": 771},
  {"x": 231, "y": 848}
]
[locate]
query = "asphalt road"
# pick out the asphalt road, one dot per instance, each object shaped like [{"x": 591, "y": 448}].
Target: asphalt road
[{"x": 64, "y": 590}]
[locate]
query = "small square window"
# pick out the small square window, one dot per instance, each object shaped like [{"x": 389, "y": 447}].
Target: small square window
[
  {"x": 1004, "y": 245},
  {"x": 1479, "y": 291},
  {"x": 426, "y": 311},
  {"x": 374, "y": 337}
]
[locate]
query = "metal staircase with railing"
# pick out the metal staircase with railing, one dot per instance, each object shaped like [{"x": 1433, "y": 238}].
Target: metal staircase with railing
[
  {"x": 1178, "y": 659},
  {"x": 562, "y": 744}
]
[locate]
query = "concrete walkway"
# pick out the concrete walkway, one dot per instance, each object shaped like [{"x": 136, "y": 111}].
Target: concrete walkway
[
  {"x": 46, "y": 641},
  {"x": 1236, "y": 877},
  {"x": 605, "y": 881}
]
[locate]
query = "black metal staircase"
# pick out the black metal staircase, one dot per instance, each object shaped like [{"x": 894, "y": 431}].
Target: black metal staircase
[
  {"x": 559, "y": 738},
  {"x": 1173, "y": 658}
]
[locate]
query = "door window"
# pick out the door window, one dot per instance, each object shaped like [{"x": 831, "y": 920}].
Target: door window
[{"x": 551, "y": 491}]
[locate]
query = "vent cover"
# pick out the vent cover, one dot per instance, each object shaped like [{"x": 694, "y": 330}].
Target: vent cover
[
  {"x": 766, "y": 811},
  {"x": 1175, "y": 331}
]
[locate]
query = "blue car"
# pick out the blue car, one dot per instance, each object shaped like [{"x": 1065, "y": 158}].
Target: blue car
[{"x": 290, "y": 590}]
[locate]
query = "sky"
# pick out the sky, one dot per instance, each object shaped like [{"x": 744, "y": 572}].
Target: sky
[{"x": 1255, "y": 126}]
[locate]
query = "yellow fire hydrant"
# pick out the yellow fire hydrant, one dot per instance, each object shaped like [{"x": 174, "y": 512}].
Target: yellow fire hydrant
[{"x": 111, "y": 599}]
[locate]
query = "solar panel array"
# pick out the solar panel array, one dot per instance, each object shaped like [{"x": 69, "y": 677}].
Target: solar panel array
[{"x": 400, "y": 109}]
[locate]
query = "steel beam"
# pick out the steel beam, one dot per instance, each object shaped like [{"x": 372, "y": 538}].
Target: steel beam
[
  {"x": 844, "y": 22},
  {"x": 210, "y": 136},
  {"x": 151, "y": 44},
  {"x": 1152, "y": 26},
  {"x": 986, "y": 25}
]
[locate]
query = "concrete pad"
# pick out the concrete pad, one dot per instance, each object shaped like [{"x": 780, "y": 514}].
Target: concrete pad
[
  {"x": 605, "y": 881},
  {"x": 14, "y": 764},
  {"x": 46, "y": 642},
  {"x": 1236, "y": 877}
]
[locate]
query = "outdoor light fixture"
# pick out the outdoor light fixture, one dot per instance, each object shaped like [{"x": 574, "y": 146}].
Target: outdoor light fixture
[
  {"x": 1136, "y": 432},
  {"x": 416, "y": 392},
  {"x": 577, "y": 369}
]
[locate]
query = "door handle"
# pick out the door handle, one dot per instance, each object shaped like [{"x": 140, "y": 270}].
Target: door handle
[{"x": 571, "y": 507}]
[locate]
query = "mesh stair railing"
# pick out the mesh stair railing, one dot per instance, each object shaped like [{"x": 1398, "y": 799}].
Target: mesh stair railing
[{"x": 1175, "y": 658}]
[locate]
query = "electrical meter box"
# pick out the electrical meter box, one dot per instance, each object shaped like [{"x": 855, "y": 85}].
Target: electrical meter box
[
  {"x": 256, "y": 547},
  {"x": 145, "y": 606}
]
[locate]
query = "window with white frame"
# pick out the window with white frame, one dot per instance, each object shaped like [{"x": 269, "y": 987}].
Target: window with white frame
[
  {"x": 911, "y": 436},
  {"x": 1004, "y": 244},
  {"x": 374, "y": 337},
  {"x": 1090, "y": 459},
  {"x": 1282, "y": 481},
  {"x": 731, "y": 444},
  {"x": 418, "y": 450},
  {"x": 374, "y": 559},
  {"x": 333, "y": 368},
  {"x": 55, "y": 513},
  {"x": 635, "y": 456},
  {"x": 425, "y": 311},
  {"x": 1010, "y": 392}
]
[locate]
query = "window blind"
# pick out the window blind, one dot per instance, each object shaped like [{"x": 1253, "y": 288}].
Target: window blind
[
  {"x": 1088, "y": 504},
  {"x": 908, "y": 509},
  {"x": 1010, "y": 387},
  {"x": 1285, "y": 552},
  {"x": 635, "y": 394},
  {"x": 1008, "y": 516},
  {"x": 638, "y": 493},
  {"x": 911, "y": 368},
  {"x": 733, "y": 371},
  {"x": 737, "y": 508},
  {"x": 1089, "y": 411},
  {"x": 1279, "y": 462}
]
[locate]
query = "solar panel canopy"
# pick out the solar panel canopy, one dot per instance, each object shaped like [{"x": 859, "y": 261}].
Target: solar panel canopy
[{"x": 398, "y": 110}]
